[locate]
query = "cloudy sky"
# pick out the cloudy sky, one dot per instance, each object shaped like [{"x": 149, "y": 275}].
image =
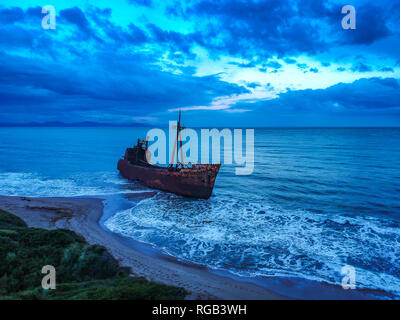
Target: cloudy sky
[{"x": 225, "y": 63}]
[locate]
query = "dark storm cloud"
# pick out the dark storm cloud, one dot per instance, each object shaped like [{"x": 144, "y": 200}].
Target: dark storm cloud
[
  {"x": 111, "y": 85},
  {"x": 290, "y": 61},
  {"x": 251, "y": 64},
  {"x": 365, "y": 102},
  {"x": 253, "y": 85},
  {"x": 372, "y": 24},
  {"x": 77, "y": 17},
  {"x": 11, "y": 15},
  {"x": 175, "y": 40},
  {"x": 245, "y": 27},
  {"x": 361, "y": 67},
  {"x": 34, "y": 13},
  {"x": 15, "y": 36},
  {"x": 302, "y": 65},
  {"x": 283, "y": 27},
  {"x": 374, "y": 95},
  {"x": 131, "y": 35},
  {"x": 386, "y": 69},
  {"x": 89, "y": 71},
  {"x": 91, "y": 65},
  {"x": 273, "y": 65},
  {"x": 18, "y": 15}
]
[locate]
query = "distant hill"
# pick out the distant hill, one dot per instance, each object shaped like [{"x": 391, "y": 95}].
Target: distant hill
[{"x": 74, "y": 124}]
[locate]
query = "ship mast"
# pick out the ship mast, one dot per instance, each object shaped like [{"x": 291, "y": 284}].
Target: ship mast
[{"x": 178, "y": 139}]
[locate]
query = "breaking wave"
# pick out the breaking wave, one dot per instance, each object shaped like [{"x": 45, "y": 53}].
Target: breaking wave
[
  {"x": 29, "y": 184},
  {"x": 253, "y": 239}
]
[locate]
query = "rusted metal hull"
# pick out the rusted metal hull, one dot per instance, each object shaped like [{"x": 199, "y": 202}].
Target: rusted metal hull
[{"x": 197, "y": 182}]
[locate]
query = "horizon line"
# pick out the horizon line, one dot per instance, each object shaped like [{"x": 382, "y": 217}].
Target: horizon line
[{"x": 121, "y": 125}]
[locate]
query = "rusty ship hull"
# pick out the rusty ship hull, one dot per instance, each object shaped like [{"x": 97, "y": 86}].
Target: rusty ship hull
[
  {"x": 197, "y": 182},
  {"x": 188, "y": 180}
]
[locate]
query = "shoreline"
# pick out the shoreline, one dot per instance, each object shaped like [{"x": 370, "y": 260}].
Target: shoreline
[{"x": 83, "y": 215}]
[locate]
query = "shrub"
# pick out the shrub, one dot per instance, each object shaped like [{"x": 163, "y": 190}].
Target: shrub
[{"x": 83, "y": 271}]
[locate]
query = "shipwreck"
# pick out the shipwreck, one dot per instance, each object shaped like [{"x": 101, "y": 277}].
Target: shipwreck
[{"x": 190, "y": 180}]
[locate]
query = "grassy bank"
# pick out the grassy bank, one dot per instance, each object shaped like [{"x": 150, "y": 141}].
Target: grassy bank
[{"x": 83, "y": 271}]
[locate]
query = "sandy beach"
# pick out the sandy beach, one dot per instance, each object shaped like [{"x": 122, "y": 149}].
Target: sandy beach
[{"x": 82, "y": 215}]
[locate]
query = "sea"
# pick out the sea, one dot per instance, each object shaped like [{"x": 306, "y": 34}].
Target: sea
[{"x": 319, "y": 199}]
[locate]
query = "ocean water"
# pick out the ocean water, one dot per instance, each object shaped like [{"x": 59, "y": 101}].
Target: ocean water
[{"x": 319, "y": 199}]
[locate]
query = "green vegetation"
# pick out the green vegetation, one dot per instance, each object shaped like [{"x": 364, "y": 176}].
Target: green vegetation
[{"x": 84, "y": 271}]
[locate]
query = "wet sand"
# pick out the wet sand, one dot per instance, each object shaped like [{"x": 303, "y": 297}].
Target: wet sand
[{"x": 83, "y": 215}]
